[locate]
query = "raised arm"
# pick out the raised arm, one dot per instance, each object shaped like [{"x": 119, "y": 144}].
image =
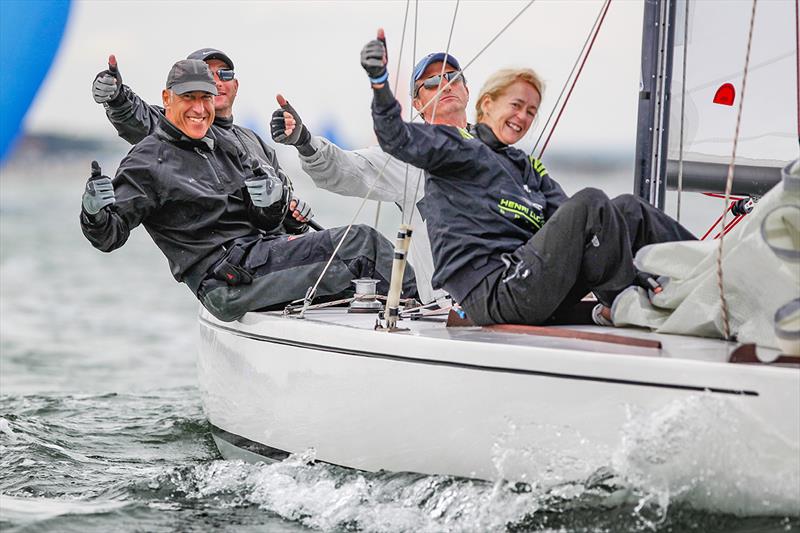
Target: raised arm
[
  {"x": 347, "y": 172},
  {"x": 133, "y": 118},
  {"x": 428, "y": 147}
]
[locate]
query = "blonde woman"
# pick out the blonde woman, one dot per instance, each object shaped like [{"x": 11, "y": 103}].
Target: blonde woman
[{"x": 508, "y": 243}]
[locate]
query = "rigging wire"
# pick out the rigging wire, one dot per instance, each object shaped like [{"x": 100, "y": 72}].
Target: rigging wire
[
  {"x": 396, "y": 84},
  {"x": 566, "y": 81},
  {"x": 436, "y": 101},
  {"x": 575, "y": 81},
  {"x": 313, "y": 289},
  {"x": 446, "y": 55},
  {"x": 729, "y": 181},
  {"x": 683, "y": 105},
  {"x": 411, "y": 108},
  {"x": 482, "y": 50}
]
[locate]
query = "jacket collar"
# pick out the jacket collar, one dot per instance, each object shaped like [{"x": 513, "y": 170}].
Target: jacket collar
[
  {"x": 170, "y": 132},
  {"x": 224, "y": 122},
  {"x": 485, "y": 134}
]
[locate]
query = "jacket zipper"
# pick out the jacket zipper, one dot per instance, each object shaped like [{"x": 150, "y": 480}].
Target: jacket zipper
[{"x": 213, "y": 170}]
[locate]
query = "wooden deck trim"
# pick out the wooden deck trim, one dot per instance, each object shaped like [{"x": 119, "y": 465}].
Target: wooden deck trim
[{"x": 576, "y": 334}]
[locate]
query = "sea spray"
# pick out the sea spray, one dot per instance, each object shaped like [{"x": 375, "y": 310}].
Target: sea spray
[{"x": 709, "y": 451}]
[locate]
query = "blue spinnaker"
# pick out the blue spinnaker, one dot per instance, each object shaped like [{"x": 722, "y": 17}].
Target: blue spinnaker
[{"x": 30, "y": 33}]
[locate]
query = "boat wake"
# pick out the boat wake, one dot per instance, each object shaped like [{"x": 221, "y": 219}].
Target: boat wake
[{"x": 147, "y": 462}]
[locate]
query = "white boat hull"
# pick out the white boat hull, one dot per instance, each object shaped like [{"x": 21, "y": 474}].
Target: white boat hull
[{"x": 467, "y": 402}]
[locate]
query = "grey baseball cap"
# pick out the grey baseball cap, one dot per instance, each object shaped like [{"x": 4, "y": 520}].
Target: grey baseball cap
[
  {"x": 189, "y": 75},
  {"x": 204, "y": 54}
]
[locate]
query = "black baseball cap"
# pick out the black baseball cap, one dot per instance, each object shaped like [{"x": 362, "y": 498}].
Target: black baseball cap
[
  {"x": 204, "y": 54},
  {"x": 189, "y": 75}
]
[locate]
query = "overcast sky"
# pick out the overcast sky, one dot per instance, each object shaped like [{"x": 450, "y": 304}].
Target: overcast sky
[{"x": 309, "y": 51}]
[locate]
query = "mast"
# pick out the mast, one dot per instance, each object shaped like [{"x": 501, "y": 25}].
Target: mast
[{"x": 654, "y": 99}]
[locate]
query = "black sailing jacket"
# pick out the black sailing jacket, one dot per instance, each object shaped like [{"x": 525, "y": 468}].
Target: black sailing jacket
[
  {"x": 134, "y": 119},
  {"x": 187, "y": 193},
  {"x": 482, "y": 198}
]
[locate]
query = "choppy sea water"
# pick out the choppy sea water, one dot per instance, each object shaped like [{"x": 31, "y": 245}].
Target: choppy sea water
[{"x": 101, "y": 426}]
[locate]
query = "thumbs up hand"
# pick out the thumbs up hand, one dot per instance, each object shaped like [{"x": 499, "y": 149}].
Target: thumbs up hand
[
  {"x": 108, "y": 83},
  {"x": 99, "y": 191}
]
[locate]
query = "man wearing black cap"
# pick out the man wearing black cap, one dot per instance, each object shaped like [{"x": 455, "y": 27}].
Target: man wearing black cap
[
  {"x": 353, "y": 173},
  {"x": 186, "y": 184},
  {"x": 134, "y": 119}
]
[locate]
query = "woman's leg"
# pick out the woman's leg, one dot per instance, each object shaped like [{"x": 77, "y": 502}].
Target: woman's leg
[{"x": 585, "y": 244}]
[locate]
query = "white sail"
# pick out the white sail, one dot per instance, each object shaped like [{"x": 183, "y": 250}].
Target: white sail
[{"x": 716, "y": 43}]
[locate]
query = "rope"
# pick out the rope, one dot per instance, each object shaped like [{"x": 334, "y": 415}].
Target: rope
[
  {"x": 566, "y": 81},
  {"x": 715, "y": 224},
  {"x": 575, "y": 81},
  {"x": 729, "y": 182},
  {"x": 683, "y": 105}
]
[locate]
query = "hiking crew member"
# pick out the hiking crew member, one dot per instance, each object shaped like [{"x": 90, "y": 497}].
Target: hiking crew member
[
  {"x": 508, "y": 243},
  {"x": 352, "y": 173},
  {"x": 200, "y": 198},
  {"x": 134, "y": 119}
]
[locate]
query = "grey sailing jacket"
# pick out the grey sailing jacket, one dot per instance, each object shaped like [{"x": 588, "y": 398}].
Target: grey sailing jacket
[{"x": 352, "y": 173}]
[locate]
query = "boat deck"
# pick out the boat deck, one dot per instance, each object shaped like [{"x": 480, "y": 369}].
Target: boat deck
[{"x": 434, "y": 327}]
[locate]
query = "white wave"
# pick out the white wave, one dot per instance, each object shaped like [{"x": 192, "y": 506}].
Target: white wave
[
  {"x": 26, "y": 510},
  {"x": 327, "y": 498},
  {"x": 5, "y": 427},
  {"x": 711, "y": 453}
]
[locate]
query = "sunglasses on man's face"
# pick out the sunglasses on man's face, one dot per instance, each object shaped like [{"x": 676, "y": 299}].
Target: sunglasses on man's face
[
  {"x": 225, "y": 74},
  {"x": 434, "y": 81}
]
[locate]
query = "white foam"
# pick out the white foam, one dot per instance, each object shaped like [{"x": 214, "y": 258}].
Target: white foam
[
  {"x": 326, "y": 498},
  {"x": 5, "y": 427},
  {"x": 709, "y": 452},
  {"x": 26, "y": 510}
]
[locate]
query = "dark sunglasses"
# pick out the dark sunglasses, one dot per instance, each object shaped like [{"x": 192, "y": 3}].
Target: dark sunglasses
[
  {"x": 434, "y": 81},
  {"x": 225, "y": 74}
]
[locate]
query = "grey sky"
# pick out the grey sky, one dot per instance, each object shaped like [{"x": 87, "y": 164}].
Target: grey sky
[{"x": 308, "y": 50}]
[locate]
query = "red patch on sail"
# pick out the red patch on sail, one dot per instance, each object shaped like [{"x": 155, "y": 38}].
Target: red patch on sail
[{"x": 725, "y": 95}]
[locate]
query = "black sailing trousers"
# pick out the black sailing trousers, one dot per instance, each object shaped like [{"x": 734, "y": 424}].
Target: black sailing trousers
[
  {"x": 588, "y": 245},
  {"x": 284, "y": 268}
]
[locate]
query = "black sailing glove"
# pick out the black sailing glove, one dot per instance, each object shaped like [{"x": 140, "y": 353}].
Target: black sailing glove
[
  {"x": 107, "y": 84},
  {"x": 300, "y": 210},
  {"x": 298, "y": 216},
  {"x": 374, "y": 59},
  {"x": 299, "y": 137},
  {"x": 99, "y": 192}
]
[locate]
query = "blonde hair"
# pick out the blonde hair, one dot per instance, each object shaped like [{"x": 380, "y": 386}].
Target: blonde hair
[{"x": 502, "y": 80}]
